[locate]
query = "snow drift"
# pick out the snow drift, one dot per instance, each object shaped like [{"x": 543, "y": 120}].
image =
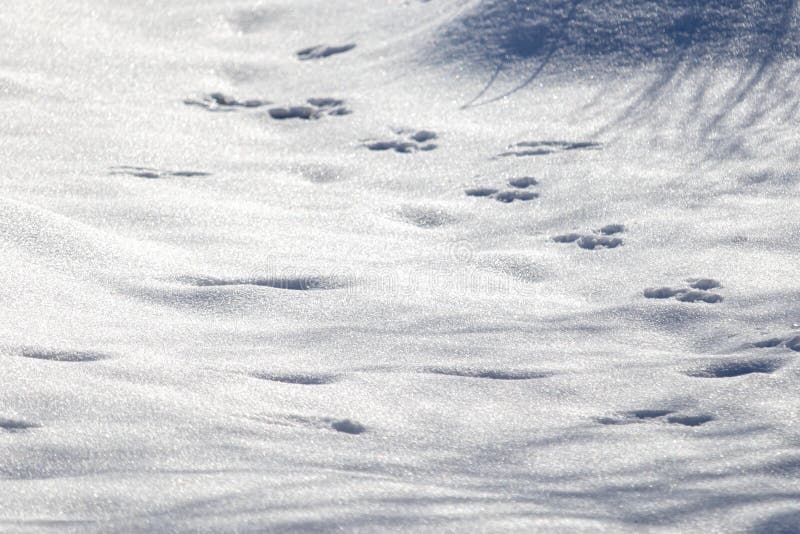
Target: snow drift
[{"x": 570, "y": 33}]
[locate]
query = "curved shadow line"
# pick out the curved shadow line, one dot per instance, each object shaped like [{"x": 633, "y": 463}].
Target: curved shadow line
[
  {"x": 745, "y": 86},
  {"x": 486, "y": 87},
  {"x": 535, "y": 74},
  {"x": 652, "y": 93}
]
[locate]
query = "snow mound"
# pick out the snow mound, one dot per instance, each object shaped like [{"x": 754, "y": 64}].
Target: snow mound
[{"x": 620, "y": 32}]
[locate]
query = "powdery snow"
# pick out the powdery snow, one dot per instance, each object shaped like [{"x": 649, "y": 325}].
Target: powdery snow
[{"x": 417, "y": 265}]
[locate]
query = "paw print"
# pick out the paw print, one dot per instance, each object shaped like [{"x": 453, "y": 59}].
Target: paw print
[
  {"x": 602, "y": 238},
  {"x": 699, "y": 290},
  {"x": 520, "y": 190},
  {"x": 406, "y": 143}
]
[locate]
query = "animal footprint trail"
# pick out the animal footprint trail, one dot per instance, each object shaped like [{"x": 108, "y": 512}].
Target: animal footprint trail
[
  {"x": 519, "y": 192},
  {"x": 224, "y": 103},
  {"x": 699, "y": 290},
  {"x": 291, "y": 283},
  {"x": 505, "y": 197},
  {"x": 523, "y": 182},
  {"x": 323, "y": 51},
  {"x": 67, "y": 356},
  {"x": 480, "y": 192},
  {"x": 151, "y": 173},
  {"x": 689, "y": 420},
  {"x": 768, "y": 343},
  {"x": 657, "y": 416},
  {"x": 314, "y": 108},
  {"x": 510, "y": 196},
  {"x": 602, "y": 238},
  {"x": 490, "y": 374},
  {"x": 791, "y": 343},
  {"x": 15, "y": 425},
  {"x": 544, "y": 148},
  {"x": 633, "y": 416},
  {"x": 406, "y": 143},
  {"x": 699, "y": 296},
  {"x": 344, "y": 426},
  {"x": 735, "y": 368},
  {"x": 347, "y": 426},
  {"x": 296, "y": 378},
  {"x": 704, "y": 284}
]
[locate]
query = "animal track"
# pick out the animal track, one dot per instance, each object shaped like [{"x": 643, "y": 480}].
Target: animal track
[
  {"x": 641, "y": 416},
  {"x": 523, "y": 182},
  {"x": 346, "y": 426},
  {"x": 480, "y": 192},
  {"x": 611, "y": 229},
  {"x": 696, "y": 292},
  {"x": 768, "y": 343},
  {"x": 699, "y": 296},
  {"x": 222, "y": 102},
  {"x": 662, "y": 292},
  {"x": 600, "y": 239},
  {"x": 14, "y": 425},
  {"x": 63, "y": 355},
  {"x": 315, "y": 108},
  {"x": 508, "y": 196},
  {"x": 298, "y": 379},
  {"x": 635, "y": 416},
  {"x": 410, "y": 142},
  {"x": 309, "y": 283},
  {"x": 703, "y": 283},
  {"x": 492, "y": 374},
  {"x": 543, "y": 148},
  {"x": 323, "y": 51},
  {"x": 689, "y": 420},
  {"x": 148, "y": 172},
  {"x": 733, "y": 368},
  {"x": 792, "y": 343}
]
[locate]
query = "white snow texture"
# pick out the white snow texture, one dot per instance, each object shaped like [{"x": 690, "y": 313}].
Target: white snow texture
[{"x": 361, "y": 265}]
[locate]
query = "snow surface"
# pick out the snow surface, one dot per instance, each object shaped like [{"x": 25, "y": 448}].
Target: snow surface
[{"x": 365, "y": 265}]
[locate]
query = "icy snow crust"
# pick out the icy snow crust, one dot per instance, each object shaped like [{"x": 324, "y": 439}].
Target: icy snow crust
[{"x": 445, "y": 265}]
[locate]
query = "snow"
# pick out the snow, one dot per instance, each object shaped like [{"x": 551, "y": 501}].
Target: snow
[{"x": 447, "y": 265}]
